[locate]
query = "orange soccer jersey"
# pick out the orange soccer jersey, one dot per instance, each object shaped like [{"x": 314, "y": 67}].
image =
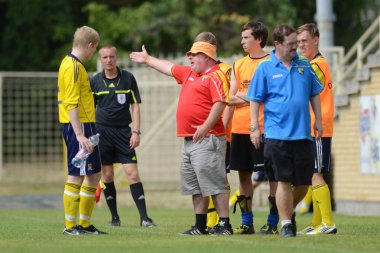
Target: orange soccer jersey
[
  {"x": 322, "y": 69},
  {"x": 244, "y": 69},
  {"x": 226, "y": 69}
]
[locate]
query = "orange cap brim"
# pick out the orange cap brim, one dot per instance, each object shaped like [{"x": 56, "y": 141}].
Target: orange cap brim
[{"x": 203, "y": 47}]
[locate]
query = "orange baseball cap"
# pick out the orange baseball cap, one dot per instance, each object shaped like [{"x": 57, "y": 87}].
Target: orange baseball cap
[{"x": 203, "y": 47}]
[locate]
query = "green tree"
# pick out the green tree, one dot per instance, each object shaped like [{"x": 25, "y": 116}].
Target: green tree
[{"x": 35, "y": 34}]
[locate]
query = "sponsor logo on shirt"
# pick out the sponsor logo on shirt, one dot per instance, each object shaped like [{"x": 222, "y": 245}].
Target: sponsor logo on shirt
[{"x": 277, "y": 76}]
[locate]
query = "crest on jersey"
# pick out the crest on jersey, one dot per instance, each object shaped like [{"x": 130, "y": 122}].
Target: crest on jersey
[
  {"x": 121, "y": 98},
  {"x": 300, "y": 70}
]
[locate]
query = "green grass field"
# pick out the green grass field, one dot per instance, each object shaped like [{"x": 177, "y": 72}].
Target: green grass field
[{"x": 40, "y": 230}]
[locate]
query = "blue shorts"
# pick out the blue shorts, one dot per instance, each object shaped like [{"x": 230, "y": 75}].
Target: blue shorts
[
  {"x": 259, "y": 176},
  {"x": 92, "y": 164},
  {"x": 322, "y": 155}
]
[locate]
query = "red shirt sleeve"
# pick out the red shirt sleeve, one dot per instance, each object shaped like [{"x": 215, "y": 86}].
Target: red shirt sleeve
[{"x": 181, "y": 73}]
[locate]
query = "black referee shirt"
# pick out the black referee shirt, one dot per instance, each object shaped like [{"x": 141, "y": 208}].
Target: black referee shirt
[{"x": 113, "y": 98}]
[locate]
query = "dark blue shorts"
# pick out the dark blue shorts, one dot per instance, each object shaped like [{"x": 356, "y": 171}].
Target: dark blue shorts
[
  {"x": 289, "y": 161},
  {"x": 92, "y": 164},
  {"x": 322, "y": 155}
]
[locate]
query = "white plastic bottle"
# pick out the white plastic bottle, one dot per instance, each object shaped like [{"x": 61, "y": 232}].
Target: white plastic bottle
[{"x": 82, "y": 154}]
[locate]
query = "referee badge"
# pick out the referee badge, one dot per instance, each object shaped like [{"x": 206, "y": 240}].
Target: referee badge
[{"x": 121, "y": 98}]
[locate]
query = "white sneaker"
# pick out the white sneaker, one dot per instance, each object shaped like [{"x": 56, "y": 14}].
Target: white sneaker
[{"x": 324, "y": 229}]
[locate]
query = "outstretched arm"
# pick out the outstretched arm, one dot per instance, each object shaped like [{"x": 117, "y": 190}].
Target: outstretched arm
[{"x": 143, "y": 57}]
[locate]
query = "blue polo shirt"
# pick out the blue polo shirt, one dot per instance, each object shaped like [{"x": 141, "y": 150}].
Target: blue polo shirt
[{"x": 286, "y": 94}]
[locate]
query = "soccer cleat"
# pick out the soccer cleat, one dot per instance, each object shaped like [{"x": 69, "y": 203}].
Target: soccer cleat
[
  {"x": 71, "y": 231},
  {"x": 115, "y": 223},
  {"x": 306, "y": 230},
  {"x": 147, "y": 222},
  {"x": 244, "y": 230},
  {"x": 288, "y": 230},
  {"x": 90, "y": 230},
  {"x": 268, "y": 230},
  {"x": 323, "y": 229},
  {"x": 194, "y": 230},
  {"x": 222, "y": 230}
]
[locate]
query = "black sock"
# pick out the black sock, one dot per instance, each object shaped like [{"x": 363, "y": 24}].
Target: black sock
[
  {"x": 225, "y": 221},
  {"x": 110, "y": 196},
  {"x": 137, "y": 192},
  {"x": 201, "y": 221},
  {"x": 272, "y": 205}
]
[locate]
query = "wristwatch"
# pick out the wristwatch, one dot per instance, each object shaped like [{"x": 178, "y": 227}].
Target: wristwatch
[
  {"x": 254, "y": 128},
  {"x": 138, "y": 132}
]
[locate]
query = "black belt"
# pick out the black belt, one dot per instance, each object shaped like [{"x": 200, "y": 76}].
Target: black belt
[{"x": 188, "y": 138}]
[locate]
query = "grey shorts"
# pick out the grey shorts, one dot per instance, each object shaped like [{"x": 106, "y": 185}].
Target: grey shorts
[{"x": 202, "y": 166}]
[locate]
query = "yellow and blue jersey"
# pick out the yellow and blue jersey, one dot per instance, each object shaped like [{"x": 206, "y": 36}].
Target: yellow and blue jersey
[{"x": 74, "y": 91}]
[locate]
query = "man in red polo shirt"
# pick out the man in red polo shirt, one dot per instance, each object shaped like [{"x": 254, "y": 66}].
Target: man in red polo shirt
[{"x": 203, "y": 97}]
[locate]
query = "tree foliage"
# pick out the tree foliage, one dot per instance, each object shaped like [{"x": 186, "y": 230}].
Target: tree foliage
[{"x": 36, "y": 34}]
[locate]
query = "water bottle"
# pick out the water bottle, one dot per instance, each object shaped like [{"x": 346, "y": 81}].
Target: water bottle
[{"x": 82, "y": 154}]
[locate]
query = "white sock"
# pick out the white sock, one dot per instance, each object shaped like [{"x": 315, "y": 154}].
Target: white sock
[{"x": 284, "y": 222}]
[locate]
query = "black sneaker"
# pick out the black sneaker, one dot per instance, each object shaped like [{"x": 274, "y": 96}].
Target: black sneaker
[
  {"x": 147, "y": 222},
  {"x": 268, "y": 230},
  {"x": 115, "y": 222},
  {"x": 71, "y": 231},
  {"x": 90, "y": 230},
  {"x": 288, "y": 230},
  {"x": 194, "y": 230},
  {"x": 223, "y": 230}
]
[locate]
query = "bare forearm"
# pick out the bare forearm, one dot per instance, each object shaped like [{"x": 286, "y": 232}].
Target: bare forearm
[
  {"x": 136, "y": 117},
  {"x": 162, "y": 66},
  {"x": 75, "y": 122},
  {"x": 254, "y": 108},
  {"x": 316, "y": 105},
  {"x": 214, "y": 116}
]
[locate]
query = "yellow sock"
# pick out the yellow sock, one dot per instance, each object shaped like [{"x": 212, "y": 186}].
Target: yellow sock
[
  {"x": 233, "y": 198},
  {"x": 86, "y": 205},
  {"x": 323, "y": 198},
  {"x": 308, "y": 197},
  {"x": 317, "y": 218},
  {"x": 212, "y": 215},
  {"x": 306, "y": 201},
  {"x": 71, "y": 204}
]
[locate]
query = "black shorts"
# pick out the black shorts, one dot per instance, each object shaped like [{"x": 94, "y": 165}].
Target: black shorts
[
  {"x": 322, "y": 155},
  {"x": 289, "y": 161},
  {"x": 114, "y": 145},
  {"x": 227, "y": 160},
  {"x": 244, "y": 156}
]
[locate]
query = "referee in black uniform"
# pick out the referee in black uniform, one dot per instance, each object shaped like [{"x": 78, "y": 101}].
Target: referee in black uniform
[{"x": 114, "y": 91}]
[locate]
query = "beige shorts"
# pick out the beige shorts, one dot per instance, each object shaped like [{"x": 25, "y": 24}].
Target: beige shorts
[{"x": 203, "y": 166}]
